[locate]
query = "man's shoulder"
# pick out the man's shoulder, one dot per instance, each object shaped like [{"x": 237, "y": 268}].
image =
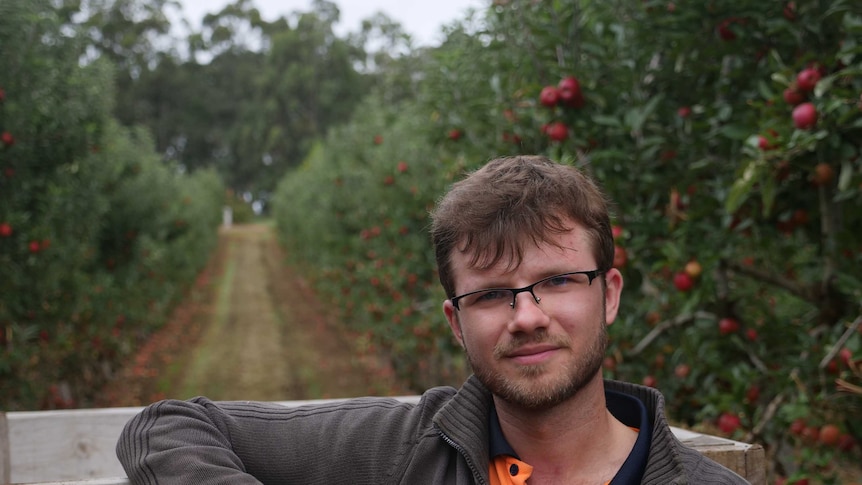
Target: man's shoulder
[{"x": 701, "y": 469}]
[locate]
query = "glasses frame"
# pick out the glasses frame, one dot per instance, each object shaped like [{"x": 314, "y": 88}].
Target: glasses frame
[{"x": 591, "y": 275}]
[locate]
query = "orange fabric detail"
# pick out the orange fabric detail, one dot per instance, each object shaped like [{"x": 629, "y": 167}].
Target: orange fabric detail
[{"x": 500, "y": 471}]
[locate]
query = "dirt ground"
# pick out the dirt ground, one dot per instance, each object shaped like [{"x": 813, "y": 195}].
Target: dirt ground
[{"x": 250, "y": 329}]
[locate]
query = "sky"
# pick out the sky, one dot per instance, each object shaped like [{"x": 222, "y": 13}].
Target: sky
[{"x": 422, "y": 19}]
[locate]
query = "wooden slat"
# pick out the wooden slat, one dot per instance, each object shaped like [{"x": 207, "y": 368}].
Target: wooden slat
[
  {"x": 76, "y": 447},
  {"x": 5, "y": 467},
  {"x": 747, "y": 460}
]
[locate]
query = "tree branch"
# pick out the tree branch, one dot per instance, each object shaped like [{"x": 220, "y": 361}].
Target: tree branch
[
  {"x": 840, "y": 343},
  {"x": 794, "y": 288},
  {"x": 666, "y": 325},
  {"x": 768, "y": 414}
]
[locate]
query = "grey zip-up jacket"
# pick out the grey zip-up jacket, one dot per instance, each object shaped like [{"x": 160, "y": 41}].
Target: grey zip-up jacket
[{"x": 441, "y": 440}]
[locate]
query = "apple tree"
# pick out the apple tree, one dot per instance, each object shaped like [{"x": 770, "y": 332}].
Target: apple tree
[{"x": 727, "y": 134}]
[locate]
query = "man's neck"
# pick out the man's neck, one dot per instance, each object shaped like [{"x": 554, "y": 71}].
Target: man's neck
[{"x": 578, "y": 441}]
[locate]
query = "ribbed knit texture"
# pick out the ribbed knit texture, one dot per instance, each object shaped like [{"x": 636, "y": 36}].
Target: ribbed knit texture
[{"x": 441, "y": 440}]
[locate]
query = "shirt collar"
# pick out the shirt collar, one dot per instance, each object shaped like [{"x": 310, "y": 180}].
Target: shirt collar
[{"x": 629, "y": 410}]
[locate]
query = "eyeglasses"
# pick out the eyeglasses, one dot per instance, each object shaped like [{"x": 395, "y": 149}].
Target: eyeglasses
[{"x": 550, "y": 289}]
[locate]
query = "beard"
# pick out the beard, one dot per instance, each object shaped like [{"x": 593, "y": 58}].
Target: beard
[{"x": 534, "y": 388}]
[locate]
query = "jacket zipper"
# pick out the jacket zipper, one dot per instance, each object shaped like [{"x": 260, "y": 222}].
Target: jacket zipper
[{"x": 463, "y": 453}]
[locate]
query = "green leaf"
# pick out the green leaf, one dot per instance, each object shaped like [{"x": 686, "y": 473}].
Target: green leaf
[
  {"x": 768, "y": 192},
  {"x": 824, "y": 85},
  {"x": 607, "y": 120},
  {"x": 742, "y": 186},
  {"x": 846, "y": 176},
  {"x": 735, "y": 132}
]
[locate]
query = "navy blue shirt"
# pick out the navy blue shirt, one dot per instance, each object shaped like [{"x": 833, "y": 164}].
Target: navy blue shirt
[{"x": 629, "y": 410}]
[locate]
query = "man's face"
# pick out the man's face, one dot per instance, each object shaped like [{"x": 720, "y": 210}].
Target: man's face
[{"x": 537, "y": 355}]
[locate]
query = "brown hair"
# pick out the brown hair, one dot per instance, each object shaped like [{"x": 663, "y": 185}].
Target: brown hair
[{"x": 511, "y": 201}]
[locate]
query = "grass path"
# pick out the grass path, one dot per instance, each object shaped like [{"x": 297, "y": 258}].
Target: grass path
[{"x": 251, "y": 329}]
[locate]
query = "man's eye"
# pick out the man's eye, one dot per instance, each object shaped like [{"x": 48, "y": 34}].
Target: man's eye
[
  {"x": 491, "y": 295},
  {"x": 560, "y": 280}
]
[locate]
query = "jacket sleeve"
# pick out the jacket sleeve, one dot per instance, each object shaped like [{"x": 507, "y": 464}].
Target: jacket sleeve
[
  {"x": 208, "y": 443},
  {"x": 175, "y": 442}
]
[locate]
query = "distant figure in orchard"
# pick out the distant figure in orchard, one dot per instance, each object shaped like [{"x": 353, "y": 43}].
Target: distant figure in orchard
[{"x": 525, "y": 254}]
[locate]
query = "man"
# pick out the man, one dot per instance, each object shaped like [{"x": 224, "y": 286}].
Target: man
[{"x": 524, "y": 251}]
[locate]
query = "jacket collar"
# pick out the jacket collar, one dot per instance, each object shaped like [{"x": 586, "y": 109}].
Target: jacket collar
[{"x": 464, "y": 421}]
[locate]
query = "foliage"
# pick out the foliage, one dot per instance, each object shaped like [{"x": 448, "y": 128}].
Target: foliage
[
  {"x": 736, "y": 221},
  {"x": 98, "y": 237}
]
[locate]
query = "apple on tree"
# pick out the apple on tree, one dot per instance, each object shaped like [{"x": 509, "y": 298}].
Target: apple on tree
[
  {"x": 557, "y": 131},
  {"x": 549, "y": 96},
  {"x": 807, "y": 79},
  {"x": 804, "y": 116},
  {"x": 682, "y": 281},
  {"x": 793, "y": 96},
  {"x": 727, "y": 326},
  {"x": 729, "y": 422},
  {"x": 570, "y": 92}
]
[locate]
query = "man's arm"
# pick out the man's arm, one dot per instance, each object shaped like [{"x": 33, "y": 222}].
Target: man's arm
[
  {"x": 180, "y": 442},
  {"x": 201, "y": 442}
]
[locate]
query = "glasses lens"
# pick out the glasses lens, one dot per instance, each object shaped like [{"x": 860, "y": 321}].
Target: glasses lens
[
  {"x": 487, "y": 299},
  {"x": 559, "y": 287}
]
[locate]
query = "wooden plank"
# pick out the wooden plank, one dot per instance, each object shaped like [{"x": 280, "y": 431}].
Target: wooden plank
[
  {"x": 5, "y": 467},
  {"x": 76, "y": 447},
  {"x": 50, "y": 446},
  {"x": 747, "y": 460}
]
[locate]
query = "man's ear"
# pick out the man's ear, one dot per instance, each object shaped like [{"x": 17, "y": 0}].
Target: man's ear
[
  {"x": 452, "y": 317},
  {"x": 613, "y": 290}
]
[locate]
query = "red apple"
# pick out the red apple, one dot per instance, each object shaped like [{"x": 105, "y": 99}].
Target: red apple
[
  {"x": 402, "y": 166},
  {"x": 682, "y": 371},
  {"x": 33, "y": 247},
  {"x": 846, "y": 442},
  {"x": 792, "y": 96},
  {"x": 557, "y": 131},
  {"x": 727, "y": 326},
  {"x": 807, "y": 79},
  {"x": 683, "y": 112},
  {"x": 844, "y": 354},
  {"x": 455, "y": 134},
  {"x": 617, "y": 231},
  {"x": 752, "y": 393},
  {"x": 650, "y": 381},
  {"x": 767, "y": 143},
  {"x": 790, "y": 11},
  {"x": 829, "y": 434},
  {"x": 378, "y": 139},
  {"x": 5, "y": 229},
  {"x": 729, "y": 422},
  {"x": 804, "y": 116},
  {"x": 7, "y": 139},
  {"x": 724, "y": 30},
  {"x": 570, "y": 92},
  {"x": 823, "y": 174},
  {"x": 683, "y": 281},
  {"x": 797, "y": 426},
  {"x": 549, "y": 96}
]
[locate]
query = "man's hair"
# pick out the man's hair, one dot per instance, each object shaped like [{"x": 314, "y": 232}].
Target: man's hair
[{"x": 514, "y": 201}]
